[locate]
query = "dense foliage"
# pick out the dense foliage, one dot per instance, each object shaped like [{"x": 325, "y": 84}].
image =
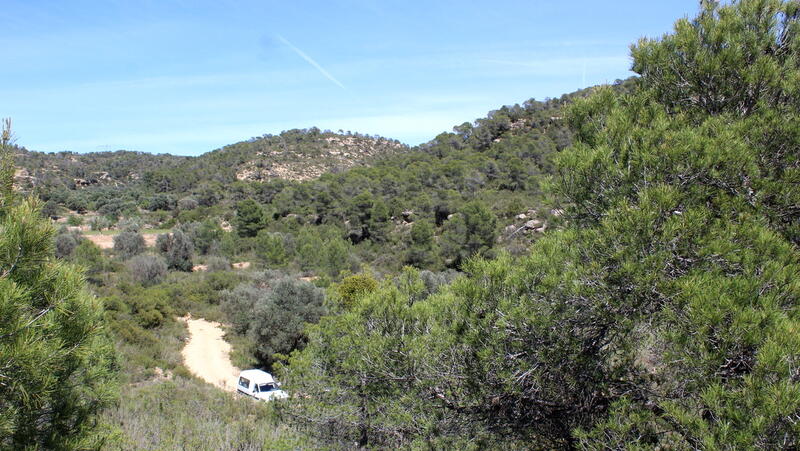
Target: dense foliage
[
  {"x": 664, "y": 315},
  {"x": 177, "y": 249},
  {"x": 272, "y": 311},
  {"x": 128, "y": 243}
]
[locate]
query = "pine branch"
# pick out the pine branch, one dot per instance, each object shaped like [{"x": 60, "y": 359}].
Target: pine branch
[{"x": 30, "y": 323}]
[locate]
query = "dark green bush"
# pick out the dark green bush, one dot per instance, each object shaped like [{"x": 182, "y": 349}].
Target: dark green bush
[{"x": 177, "y": 249}]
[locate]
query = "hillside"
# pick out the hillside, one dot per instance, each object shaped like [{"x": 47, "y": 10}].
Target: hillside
[
  {"x": 503, "y": 150},
  {"x": 300, "y": 155},
  {"x": 71, "y": 170},
  {"x": 293, "y": 155},
  {"x": 475, "y": 190}
]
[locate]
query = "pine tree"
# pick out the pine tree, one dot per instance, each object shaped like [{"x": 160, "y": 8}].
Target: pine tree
[
  {"x": 250, "y": 218},
  {"x": 56, "y": 362},
  {"x": 664, "y": 316}
]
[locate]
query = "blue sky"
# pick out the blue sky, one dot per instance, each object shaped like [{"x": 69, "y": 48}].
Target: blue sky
[{"x": 187, "y": 77}]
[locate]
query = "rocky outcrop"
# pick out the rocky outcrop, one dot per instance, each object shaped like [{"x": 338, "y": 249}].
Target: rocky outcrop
[{"x": 329, "y": 153}]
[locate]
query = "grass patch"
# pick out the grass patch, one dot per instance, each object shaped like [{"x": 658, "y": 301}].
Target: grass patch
[{"x": 186, "y": 413}]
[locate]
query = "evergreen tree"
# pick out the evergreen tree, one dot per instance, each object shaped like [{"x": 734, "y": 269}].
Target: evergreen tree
[
  {"x": 470, "y": 232},
  {"x": 422, "y": 253},
  {"x": 56, "y": 362},
  {"x": 250, "y": 218},
  {"x": 665, "y": 315}
]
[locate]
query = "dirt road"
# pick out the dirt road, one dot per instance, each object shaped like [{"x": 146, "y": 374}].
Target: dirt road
[{"x": 206, "y": 354}]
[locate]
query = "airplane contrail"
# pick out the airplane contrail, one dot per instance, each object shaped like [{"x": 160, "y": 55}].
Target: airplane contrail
[{"x": 310, "y": 61}]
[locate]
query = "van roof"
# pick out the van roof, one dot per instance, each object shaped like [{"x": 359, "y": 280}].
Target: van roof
[{"x": 257, "y": 376}]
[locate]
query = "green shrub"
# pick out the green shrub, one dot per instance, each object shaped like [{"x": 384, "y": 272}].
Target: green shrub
[
  {"x": 65, "y": 245},
  {"x": 147, "y": 269},
  {"x": 128, "y": 243},
  {"x": 177, "y": 249},
  {"x": 218, "y": 264},
  {"x": 186, "y": 413},
  {"x": 88, "y": 255},
  {"x": 187, "y": 203},
  {"x": 99, "y": 223},
  {"x": 351, "y": 288},
  {"x": 272, "y": 311},
  {"x": 74, "y": 220},
  {"x": 271, "y": 249}
]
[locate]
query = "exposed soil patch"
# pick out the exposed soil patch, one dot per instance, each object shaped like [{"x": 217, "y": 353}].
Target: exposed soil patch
[{"x": 107, "y": 241}]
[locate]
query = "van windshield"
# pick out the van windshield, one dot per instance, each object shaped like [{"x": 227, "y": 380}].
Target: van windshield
[{"x": 267, "y": 387}]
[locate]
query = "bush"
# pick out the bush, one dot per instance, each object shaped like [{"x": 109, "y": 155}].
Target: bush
[
  {"x": 65, "y": 245},
  {"x": 434, "y": 280},
  {"x": 50, "y": 209},
  {"x": 205, "y": 235},
  {"x": 278, "y": 323},
  {"x": 273, "y": 312},
  {"x": 130, "y": 224},
  {"x": 187, "y": 203},
  {"x": 351, "y": 288},
  {"x": 160, "y": 202},
  {"x": 99, "y": 223},
  {"x": 147, "y": 269},
  {"x": 186, "y": 413},
  {"x": 129, "y": 243},
  {"x": 177, "y": 248},
  {"x": 218, "y": 264},
  {"x": 470, "y": 232},
  {"x": 270, "y": 248},
  {"x": 88, "y": 255}
]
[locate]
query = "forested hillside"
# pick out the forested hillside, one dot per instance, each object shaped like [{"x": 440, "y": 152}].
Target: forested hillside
[
  {"x": 356, "y": 198},
  {"x": 82, "y": 181}
]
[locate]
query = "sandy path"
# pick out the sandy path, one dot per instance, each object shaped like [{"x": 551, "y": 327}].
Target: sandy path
[
  {"x": 107, "y": 241},
  {"x": 206, "y": 354}
]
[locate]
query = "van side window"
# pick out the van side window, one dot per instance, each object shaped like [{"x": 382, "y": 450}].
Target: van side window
[{"x": 243, "y": 382}]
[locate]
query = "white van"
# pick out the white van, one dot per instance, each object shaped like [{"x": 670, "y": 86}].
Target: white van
[{"x": 260, "y": 385}]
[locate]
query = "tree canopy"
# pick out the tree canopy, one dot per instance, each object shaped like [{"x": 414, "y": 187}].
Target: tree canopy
[{"x": 664, "y": 315}]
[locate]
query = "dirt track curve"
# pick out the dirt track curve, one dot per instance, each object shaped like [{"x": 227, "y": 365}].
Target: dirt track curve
[{"x": 207, "y": 354}]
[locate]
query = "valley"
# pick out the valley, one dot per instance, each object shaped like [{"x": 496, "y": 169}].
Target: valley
[{"x": 614, "y": 268}]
